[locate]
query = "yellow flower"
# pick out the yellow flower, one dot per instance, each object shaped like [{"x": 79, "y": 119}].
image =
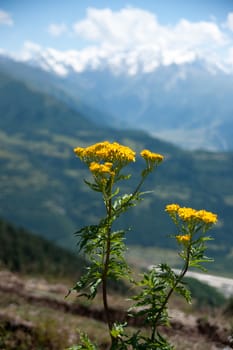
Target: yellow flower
[
  {"x": 150, "y": 156},
  {"x": 100, "y": 169},
  {"x": 172, "y": 208},
  {"x": 106, "y": 152},
  {"x": 183, "y": 238},
  {"x": 186, "y": 214},
  {"x": 189, "y": 214},
  {"x": 79, "y": 151},
  {"x": 207, "y": 217}
]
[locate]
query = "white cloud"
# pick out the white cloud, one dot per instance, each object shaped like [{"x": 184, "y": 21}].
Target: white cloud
[
  {"x": 132, "y": 27},
  {"x": 230, "y": 56},
  {"x": 133, "y": 40},
  {"x": 57, "y": 29},
  {"x": 5, "y": 18},
  {"x": 138, "y": 34},
  {"x": 124, "y": 28},
  {"x": 229, "y": 22}
]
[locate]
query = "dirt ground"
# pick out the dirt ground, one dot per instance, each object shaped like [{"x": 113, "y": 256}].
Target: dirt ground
[{"x": 186, "y": 331}]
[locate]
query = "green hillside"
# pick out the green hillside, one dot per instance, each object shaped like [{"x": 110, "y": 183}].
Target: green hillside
[
  {"x": 23, "y": 252},
  {"x": 42, "y": 187}
]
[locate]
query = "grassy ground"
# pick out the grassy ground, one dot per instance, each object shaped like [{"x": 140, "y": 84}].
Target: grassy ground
[{"x": 34, "y": 315}]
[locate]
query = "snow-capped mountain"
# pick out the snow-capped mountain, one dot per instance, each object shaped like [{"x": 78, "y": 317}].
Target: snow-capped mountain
[{"x": 188, "y": 104}]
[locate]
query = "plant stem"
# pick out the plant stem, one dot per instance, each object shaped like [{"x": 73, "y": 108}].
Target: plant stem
[
  {"x": 178, "y": 280},
  {"x": 107, "y": 253},
  {"x": 134, "y": 194},
  {"x": 104, "y": 280}
]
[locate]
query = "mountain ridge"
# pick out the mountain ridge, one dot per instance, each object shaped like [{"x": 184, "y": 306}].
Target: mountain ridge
[
  {"x": 187, "y": 104},
  {"x": 39, "y": 169}
]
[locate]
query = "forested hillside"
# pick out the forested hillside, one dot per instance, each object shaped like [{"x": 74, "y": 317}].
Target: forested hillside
[
  {"x": 42, "y": 184},
  {"x": 23, "y": 252}
]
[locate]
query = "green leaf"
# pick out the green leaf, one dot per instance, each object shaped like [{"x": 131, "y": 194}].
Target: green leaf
[{"x": 93, "y": 186}]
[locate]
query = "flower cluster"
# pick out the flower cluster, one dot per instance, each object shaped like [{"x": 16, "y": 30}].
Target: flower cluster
[
  {"x": 183, "y": 238},
  {"x": 188, "y": 214},
  {"x": 207, "y": 217},
  {"x": 100, "y": 169},
  {"x": 172, "y": 208},
  {"x": 106, "y": 152},
  {"x": 151, "y": 157}
]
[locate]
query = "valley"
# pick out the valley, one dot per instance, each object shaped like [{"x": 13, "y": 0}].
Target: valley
[
  {"x": 39, "y": 169},
  {"x": 116, "y": 175}
]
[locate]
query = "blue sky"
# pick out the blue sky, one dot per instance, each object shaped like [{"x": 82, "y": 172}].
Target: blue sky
[{"x": 83, "y": 33}]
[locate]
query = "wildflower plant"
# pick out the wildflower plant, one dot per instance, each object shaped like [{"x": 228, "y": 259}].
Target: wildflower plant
[{"x": 105, "y": 248}]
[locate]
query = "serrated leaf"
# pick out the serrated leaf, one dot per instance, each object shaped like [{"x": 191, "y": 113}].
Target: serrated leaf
[{"x": 93, "y": 186}]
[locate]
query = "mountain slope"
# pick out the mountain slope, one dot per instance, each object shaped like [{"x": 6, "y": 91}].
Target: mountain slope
[
  {"x": 23, "y": 252},
  {"x": 42, "y": 187},
  {"x": 18, "y": 101},
  {"x": 186, "y": 104},
  {"x": 37, "y": 79}
]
